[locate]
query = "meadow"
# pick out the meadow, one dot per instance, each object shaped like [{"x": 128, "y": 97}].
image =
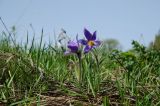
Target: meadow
[{"x": 37, "y": 74}]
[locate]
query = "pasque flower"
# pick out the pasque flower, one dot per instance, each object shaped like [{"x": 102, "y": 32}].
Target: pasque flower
[
  {"x": 90, "y": 41},
  {"x": 73, "y": 47}
]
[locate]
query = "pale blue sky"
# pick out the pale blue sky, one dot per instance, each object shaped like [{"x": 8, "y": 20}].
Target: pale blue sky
[{"x": 125, "y": 20}]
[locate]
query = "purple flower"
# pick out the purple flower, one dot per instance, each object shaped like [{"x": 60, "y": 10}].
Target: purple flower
[
  {"x": 73, "y": 47},
  {"x": 91, "y": 41}
]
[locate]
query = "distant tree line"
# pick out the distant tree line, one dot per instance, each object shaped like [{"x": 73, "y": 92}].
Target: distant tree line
[
  {"x": 156, "y": 43},
  {"x": 111, "y": 44}
]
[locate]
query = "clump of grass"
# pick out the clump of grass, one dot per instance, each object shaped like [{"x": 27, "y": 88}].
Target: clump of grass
[{"x": 40, "y": 74}]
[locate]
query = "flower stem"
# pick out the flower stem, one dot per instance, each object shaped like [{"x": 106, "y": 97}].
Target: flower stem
[{"x": 80, "y": 67}]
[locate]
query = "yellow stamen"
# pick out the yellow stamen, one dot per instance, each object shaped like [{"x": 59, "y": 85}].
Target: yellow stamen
[{"x": 91, "y": 43}]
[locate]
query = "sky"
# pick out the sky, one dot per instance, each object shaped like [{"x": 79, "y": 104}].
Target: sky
[{"x": 124, "y": 20}]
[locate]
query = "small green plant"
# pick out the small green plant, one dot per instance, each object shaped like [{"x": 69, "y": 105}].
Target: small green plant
[
  {"x": 84, "y": 74},
  {"x": 141, "y": 66}
]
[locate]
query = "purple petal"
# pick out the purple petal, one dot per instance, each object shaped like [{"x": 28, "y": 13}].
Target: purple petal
[
  {"x": 87, "y": 49},
  {"x": 67, "y": 53},
  {"x": 82, "y": 41},
  {"x": 73, "y": 46},
  {"x": 97, "y": 43},
  {"x": 87, "y": 34},
  {"x": 94, "y": 36},
  {"x": 71, "y": 43}
]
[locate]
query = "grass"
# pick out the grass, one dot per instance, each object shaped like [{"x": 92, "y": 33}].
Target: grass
[{"x": 40, "y": 74}]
